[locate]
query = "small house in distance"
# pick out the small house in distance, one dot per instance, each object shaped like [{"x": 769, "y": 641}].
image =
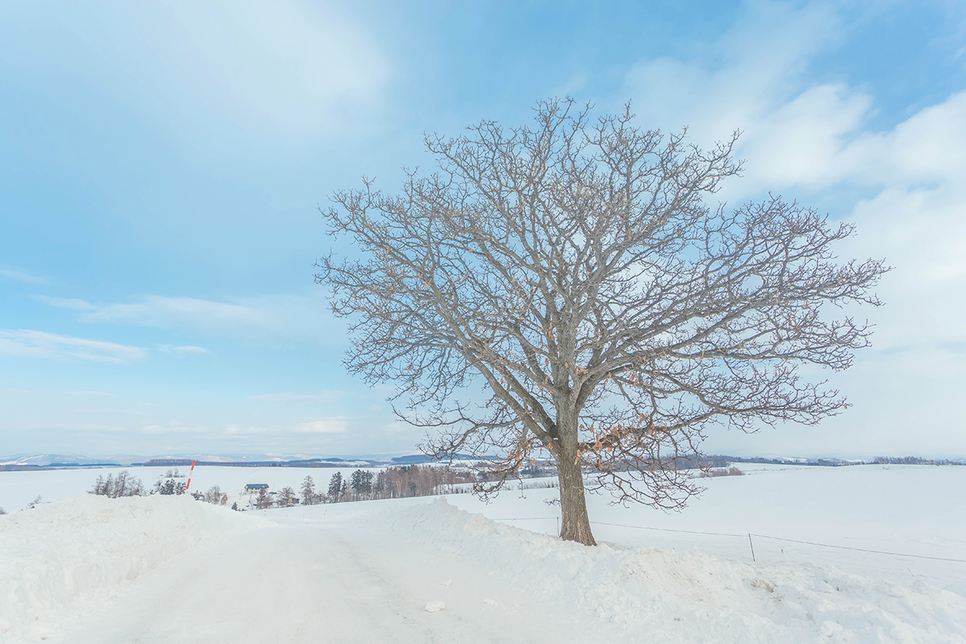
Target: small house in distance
[{"x": 254, "y": 487}]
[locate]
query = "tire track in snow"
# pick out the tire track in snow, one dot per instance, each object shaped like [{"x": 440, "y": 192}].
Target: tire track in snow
[{"x": 293, "y": 584}]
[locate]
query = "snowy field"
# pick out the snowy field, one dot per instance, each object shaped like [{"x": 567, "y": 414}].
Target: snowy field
[{"x": 154, "y": 570}]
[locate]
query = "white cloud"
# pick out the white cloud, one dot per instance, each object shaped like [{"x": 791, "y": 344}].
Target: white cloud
[
  {"x": 926, "y": 148},
  {"x": 397, "y": 427},
  {"x": 324, "y": 396},
  {"x": 803, "y": 142},
  {"x": 110, "y": 412},
  {"x": 265, "y": 318},
  {"x": 285, "y": 70},
  {"x": 801, "y": 137},
  {"x": 174, "y": 427},
  {"x": 903, "y": 188},
  {"x": 753, "y": 69},
  {"x": 235, "y": 430},
  {"x": 39, "y": 344},
  {"x": 20, "y": 275},
  {"x": 77, "y": 427},
  {"x": 922, "y": 233},
  {"x": 817, "y": 141},
  {"x": 155, "y": 310},
  {"x": 170, "y": 348},
  {"x": 66, "y": 303},
  {"x": 334, "y": 425}
]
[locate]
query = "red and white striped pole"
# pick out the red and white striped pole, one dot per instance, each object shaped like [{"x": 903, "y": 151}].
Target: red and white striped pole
[{"x": 189, "y": 476}]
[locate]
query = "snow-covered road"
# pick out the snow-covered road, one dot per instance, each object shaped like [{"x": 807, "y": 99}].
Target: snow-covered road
[{"x": 297, "y": 583}]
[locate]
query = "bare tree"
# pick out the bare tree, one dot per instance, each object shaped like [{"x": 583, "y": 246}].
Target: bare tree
[
  {"x": 215, "y": 496},
  {"x": 309, "y": 496},
  {"x": 123, "y": 485},
  {"x": 611, "y": 315},
  {"x": 286, "y": 498}
]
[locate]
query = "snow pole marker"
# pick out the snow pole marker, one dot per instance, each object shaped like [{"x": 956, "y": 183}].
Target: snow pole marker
[
  {"x": 752, "y": 544},
  {"x": 188, "y": 486}
]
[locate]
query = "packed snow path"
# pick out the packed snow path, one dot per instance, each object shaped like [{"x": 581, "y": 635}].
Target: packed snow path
[{"x": 302, "y": 583}]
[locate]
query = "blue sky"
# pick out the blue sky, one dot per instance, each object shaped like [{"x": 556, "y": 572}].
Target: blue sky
[{"x": 161, "y": 165}]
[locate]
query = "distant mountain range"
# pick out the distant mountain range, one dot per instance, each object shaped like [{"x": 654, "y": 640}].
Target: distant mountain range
[
  {"x": 28, "y": 461},
  {"x": 78, "y": 460}
]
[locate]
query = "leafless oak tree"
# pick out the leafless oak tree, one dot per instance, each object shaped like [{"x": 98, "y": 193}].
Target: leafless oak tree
[{"x": 575, "y": 270}]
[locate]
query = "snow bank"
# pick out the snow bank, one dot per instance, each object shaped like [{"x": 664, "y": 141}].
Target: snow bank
[
  {"x": 688, "y": 596},
  {"x": 56, "y": 558}
]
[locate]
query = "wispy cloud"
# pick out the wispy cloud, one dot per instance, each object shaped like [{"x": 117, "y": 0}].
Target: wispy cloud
[
  {"x": 270, "y": 317},
  {"x": 77, "y": 427},
  {"x": 156, "y": 310},
  {"x": 110, "y": 412},
  {"x": 20, "y": 275},
  {"x": 815, "y": 139},
  {"x": 236, "y": 430},
  {"x": 66, "y": 303},
  {"x": 38, "y": 344},
  {"x": 170, "y": 348},
  {"x": 732, "y": 84},
  {"x": 174, "y": 427},
  {"x": 89, "y": 393},
  {"x": 324, "y": 396},
  {"x": 285, "y": 71},
  {"x": 802, "y": 136},
  {"x": 334, "y": 425}
]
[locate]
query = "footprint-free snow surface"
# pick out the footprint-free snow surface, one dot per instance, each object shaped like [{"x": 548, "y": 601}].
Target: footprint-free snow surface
[{"x": 159, "y": 569}]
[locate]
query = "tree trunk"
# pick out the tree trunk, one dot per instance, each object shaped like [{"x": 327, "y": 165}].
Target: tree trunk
[{"x": 574, "y": 523}]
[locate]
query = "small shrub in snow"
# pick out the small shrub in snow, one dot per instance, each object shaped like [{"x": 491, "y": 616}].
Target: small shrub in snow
[{"x": 723, "y": 471}]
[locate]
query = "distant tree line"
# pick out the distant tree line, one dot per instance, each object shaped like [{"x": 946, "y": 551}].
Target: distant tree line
[
  {"x": 124, "y": 484},
  {"x": 185, "y": 462},
  {"x": 913, "y": 460},
  {"x": 396, "y": 482}
]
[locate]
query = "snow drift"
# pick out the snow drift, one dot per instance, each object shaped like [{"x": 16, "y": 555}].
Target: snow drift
[
  {"x": 687, "y": 596},
  {"x": 57, "y": 558}
]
